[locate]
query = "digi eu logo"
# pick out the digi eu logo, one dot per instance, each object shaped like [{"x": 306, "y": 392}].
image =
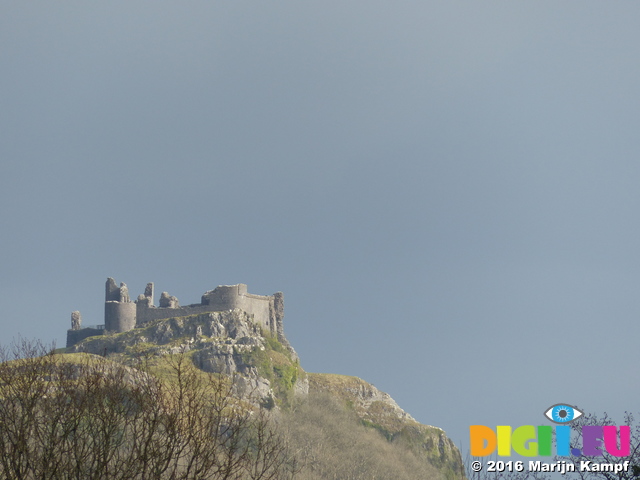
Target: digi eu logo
[{"x": 531, "y": 441}]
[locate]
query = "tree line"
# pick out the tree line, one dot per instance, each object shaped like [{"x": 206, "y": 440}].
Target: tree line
[{"x": 86, "y": 417}]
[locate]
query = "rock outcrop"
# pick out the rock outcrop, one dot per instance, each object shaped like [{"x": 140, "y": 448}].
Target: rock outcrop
[
  {"x": 378, "y": 410},
  {"x": 229, "y": 342}
]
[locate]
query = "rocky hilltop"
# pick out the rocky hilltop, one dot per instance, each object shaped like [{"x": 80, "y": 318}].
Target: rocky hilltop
[{"x": 267, "y": 369}]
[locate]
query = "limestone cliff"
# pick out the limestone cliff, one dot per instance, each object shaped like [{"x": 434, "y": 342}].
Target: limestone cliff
[
  {"x": 266, "y": 368},
  {"x": 227, "y": 342},
  {"x": 378, "y": 410}
]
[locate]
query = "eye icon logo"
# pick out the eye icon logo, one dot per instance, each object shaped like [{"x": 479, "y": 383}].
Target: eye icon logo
[{"x": 562, "y": 413}]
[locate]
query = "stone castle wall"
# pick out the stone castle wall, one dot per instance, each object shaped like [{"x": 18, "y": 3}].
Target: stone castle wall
[
  {"x": 224, "y": 297},
  {"x": 76, "y": 336},
  {"x": 121, "y": 314}
]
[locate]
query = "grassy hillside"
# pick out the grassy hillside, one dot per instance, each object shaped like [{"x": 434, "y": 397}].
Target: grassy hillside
[{"x": 335, "y": 426}]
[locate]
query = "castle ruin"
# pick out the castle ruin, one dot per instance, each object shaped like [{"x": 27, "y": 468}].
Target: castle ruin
[{"x": 121, "y": 314}]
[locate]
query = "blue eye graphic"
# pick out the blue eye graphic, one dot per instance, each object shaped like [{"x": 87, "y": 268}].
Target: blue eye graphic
[{"x": 562, "y": 413}]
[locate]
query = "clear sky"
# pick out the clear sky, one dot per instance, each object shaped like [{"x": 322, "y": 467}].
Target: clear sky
[{"x": 447, "y": 192}]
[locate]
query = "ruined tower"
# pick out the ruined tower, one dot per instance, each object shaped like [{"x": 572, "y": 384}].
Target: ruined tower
[{"x": 119, "y": 310}]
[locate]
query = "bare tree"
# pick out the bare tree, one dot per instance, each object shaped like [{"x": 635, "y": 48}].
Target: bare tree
[
  {"x": 79, "y": 417},
  {"x": 634, "y": 455}
]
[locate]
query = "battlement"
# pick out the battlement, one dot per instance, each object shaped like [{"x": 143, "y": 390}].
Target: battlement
[{"x": 121, "y": 314}]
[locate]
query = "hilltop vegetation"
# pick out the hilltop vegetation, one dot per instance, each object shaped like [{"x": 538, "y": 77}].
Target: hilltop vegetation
[
  {"x": 208, "y": 396},
  {"x": 85, "y": 417}
]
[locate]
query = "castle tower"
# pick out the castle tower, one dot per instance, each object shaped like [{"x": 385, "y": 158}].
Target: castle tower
[
  {"x": 226, "y": 297},
  {"x": 119, "y": 310}
]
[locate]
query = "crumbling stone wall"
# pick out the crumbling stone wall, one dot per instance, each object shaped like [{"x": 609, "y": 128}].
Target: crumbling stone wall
[
  {"x": 76, "y": 336},
  {"x": 121, "y": 314},
  {"x": 267, "y": 311},
  {"x": 76, "y": 320}
]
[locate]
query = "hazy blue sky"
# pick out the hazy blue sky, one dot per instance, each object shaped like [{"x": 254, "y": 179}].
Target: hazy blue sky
[{"x": 447, "y": 192}]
